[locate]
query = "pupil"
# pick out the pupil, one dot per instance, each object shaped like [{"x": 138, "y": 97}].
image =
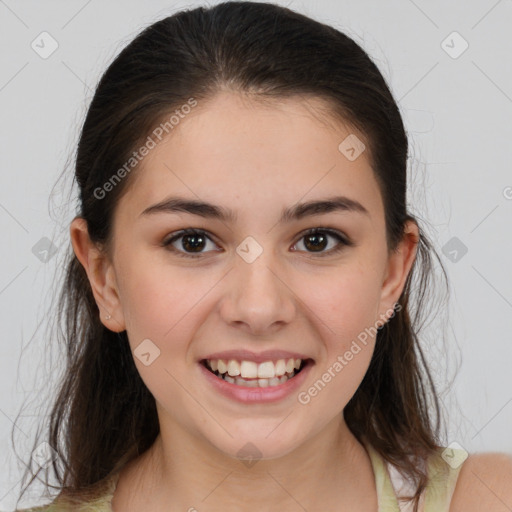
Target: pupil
[
  {"x": 316, "y": 237},
  {"x": 194, "y": 245}
]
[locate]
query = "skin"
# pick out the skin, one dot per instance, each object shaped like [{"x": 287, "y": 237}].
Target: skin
[
  {"x": 484, "y": 483},
  {"x": 255, "y": 159}
]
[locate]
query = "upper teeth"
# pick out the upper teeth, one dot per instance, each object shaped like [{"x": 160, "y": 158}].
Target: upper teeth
[{"x": 250, "y": 369}]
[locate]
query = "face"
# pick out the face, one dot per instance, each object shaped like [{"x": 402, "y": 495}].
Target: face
[{"x": 254, "y": 286}]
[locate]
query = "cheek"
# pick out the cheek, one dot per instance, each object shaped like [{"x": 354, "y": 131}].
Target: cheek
[
  {"x": 345, "y": 308},
  {"x": 345, "y": 301},
  {"x": 151, "y": 298},
  {"x": 162, "y": 303},
  {"x": 157, "y": 308}
]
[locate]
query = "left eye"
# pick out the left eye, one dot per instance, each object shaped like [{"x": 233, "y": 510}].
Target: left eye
[{"x": 316, "y": 240}]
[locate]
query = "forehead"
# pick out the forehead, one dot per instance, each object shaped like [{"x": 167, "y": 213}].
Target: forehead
[{"x": 236, "y": 151}]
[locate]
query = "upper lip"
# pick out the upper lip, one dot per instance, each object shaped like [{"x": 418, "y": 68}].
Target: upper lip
[{"x": 260, "y": 357}]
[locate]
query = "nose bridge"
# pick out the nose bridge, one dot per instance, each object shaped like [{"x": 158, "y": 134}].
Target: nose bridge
[
  {"x": 256, "y": 280},
  {"x": 258, "y": 297},
  {"x": 256, "y": 277}
]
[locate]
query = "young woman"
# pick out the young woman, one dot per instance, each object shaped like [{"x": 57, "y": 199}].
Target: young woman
[{"x": 239, "y": 288}]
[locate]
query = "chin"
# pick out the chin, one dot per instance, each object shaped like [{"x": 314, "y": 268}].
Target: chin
[{"x": 253, "y": 444}]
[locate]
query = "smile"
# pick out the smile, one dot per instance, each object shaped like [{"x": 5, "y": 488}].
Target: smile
[{"x": 254, "y": 375}]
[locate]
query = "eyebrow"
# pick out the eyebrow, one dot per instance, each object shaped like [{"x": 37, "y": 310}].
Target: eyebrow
[{"x": 296, "y": 212}]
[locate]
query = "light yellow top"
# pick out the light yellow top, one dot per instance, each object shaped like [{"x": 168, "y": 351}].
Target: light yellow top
[
  {"x": 438, "y": 493},
  {"x": 389, "y": 486}
]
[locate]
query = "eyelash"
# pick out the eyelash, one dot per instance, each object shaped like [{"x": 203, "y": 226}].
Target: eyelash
[{"x": 343, "y": 241}]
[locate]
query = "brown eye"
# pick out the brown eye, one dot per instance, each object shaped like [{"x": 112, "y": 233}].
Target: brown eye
[
  {"x": 191, "y": 244},
  {"x": 317, "y": 240}
]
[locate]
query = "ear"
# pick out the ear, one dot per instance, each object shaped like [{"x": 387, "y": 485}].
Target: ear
[
  {"x": 100, "y": 272},
  {"x": 397, "y": 269}
]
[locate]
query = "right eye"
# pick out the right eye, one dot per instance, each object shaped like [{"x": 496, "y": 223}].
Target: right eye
[{"x": 191, "y": 239}]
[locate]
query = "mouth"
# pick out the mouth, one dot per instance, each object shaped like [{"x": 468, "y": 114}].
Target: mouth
[{"x": 250, "y": 374}]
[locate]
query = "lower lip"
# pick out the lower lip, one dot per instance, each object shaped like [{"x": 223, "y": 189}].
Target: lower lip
[{"x": 257, "y": 395}]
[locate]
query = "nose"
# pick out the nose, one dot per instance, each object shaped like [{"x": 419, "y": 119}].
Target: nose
[{"x": 258, "y": 299}]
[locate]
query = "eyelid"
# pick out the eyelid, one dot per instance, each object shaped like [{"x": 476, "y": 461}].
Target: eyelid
[{"x": 343, "y": 241}]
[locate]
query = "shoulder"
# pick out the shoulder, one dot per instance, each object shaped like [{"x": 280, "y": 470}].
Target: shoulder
[
  {"x": 96, "y": 498},
  {"x": 484, "y": 483}
]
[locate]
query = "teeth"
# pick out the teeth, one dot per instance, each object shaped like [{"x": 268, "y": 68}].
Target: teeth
[
  {"x": 281, "y": 367},
  {"x": 255, "y": 383},
  {"x": 252, "y": 370},
  {"x": 233, "y": 368},
  {"x": 249, "y": 369},
  {"x": 266, "y": 370},
  {"x": 248, "y": 383},
  {"x": 221, "y": 366},
  {"x": 253, "y": 375}
]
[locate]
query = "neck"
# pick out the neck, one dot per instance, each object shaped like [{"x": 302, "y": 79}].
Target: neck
[{"x": 331, "y": 470}]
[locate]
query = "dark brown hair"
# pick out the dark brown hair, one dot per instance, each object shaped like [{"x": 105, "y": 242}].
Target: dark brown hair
[{"x": 104, "y": 415}]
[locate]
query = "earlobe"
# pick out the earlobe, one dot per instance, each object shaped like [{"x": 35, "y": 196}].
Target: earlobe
[{"x": 100, "y": 273}]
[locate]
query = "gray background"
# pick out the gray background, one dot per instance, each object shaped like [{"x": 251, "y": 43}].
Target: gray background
[{"x": 457, "y": 109}]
